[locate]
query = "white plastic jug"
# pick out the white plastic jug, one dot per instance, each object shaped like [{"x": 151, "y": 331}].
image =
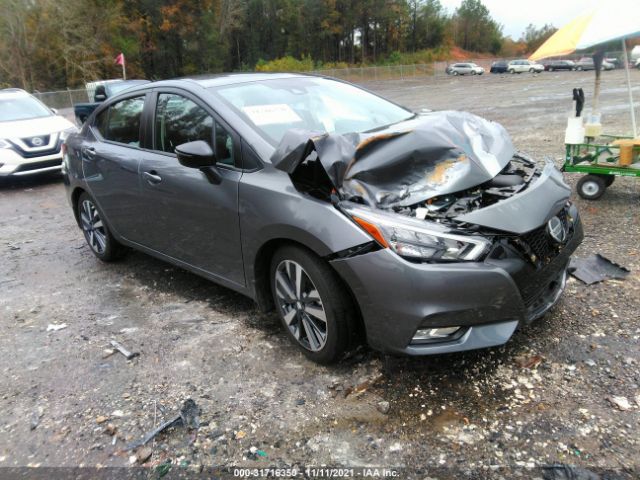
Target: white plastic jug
[{"x": 574, "y": 133}]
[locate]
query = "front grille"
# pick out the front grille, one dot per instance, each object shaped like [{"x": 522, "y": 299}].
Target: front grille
[
  {"x": 26, "y": 167},
  {"x": 540, "y": 243},
  {"x": 40, "y": 153},
  {"x": 37, "y": 141}
]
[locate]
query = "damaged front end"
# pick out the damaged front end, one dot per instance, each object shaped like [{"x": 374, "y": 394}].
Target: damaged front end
[{"x": 445, "y": 186}]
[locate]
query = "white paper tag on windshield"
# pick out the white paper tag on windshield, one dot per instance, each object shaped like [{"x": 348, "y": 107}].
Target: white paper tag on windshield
[{"x": 271, "y": 114}]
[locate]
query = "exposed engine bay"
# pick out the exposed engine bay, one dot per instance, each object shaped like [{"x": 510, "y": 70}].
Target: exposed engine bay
[
  {"x": 514, "y": 178},
  {"x": 455, "y": 171}
]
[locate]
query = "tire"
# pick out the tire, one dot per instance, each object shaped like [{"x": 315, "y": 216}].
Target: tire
[
  {"x": 578, "y": 69},
  {"x": 96, "y": 232},
  {"x": 320, "y": 291},
  {"x": 512, "y": 71},
  {"x": 473, "y": 72},
  {"x": 454, "y": 73},
  {"x": 608, "y": 179},
  {"x": 532, "y": 70},
  {"x": 550, "y": 69},
  {"x": 591, "y": 187}
]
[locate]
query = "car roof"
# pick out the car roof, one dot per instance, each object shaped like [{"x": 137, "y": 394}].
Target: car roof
[{"x": 208, "y": 81}]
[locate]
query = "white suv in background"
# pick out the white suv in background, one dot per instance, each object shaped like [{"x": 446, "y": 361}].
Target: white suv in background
[
  {"x": 520, "y": 66},
  {"x": 31, "y": 134}
]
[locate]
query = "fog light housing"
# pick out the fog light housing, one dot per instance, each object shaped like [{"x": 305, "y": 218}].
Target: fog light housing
[{"x": 435, "y": 334}]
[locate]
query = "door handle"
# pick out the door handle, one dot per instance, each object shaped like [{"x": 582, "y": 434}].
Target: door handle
[
  {"x": 152, "y": 177},
  {"x": 89, "y": 152}
]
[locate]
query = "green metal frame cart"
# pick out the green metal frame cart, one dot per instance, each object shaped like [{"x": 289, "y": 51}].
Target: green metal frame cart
[{"x": 600, "y": 163}]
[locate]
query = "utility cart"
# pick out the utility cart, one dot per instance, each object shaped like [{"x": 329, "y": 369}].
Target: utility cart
[{"x": 612, "y": 156}]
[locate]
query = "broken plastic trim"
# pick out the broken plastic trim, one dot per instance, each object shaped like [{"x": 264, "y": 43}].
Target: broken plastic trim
[{"x": 354, "y": 251}]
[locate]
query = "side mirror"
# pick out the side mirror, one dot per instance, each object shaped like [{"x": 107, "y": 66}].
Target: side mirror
[
  {"x": 100, "y": 94},
  {"x": 196, "y": 154},
  {"x": 199, "y": 155},
  {"x": 54, "y": 111}
]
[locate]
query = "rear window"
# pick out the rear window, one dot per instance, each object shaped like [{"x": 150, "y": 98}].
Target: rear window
[{"x": 121, "y": 121}]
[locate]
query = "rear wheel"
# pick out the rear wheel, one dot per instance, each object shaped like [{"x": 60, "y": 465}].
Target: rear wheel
[
  {"x": 454, "y": 72},
  {"x": 579, "y": 69},
  {"x": 532, "y": 70},
  {"x": 591, "y": 187},
  {"x": 96, "y": 232},
  {"x": 315, "y": 310},
  {"x": 512, "y": 71},
  {"x": 551, "y": 69}
]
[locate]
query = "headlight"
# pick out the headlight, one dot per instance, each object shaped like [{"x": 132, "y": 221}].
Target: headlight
[
  {"x": 416, "y": 239},
  {"x": 4, "y": 144}
]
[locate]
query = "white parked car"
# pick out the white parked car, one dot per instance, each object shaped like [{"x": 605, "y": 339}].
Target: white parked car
[
  {"x": 31, "y": 134},
  {"x": 465, "y": 69},
  {"x": 520, "y": 66}
]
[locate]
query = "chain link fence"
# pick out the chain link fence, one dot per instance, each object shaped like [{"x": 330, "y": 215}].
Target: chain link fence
[
  {"x": 64, "y": 100},
  {"x": 397, "y": 72}
]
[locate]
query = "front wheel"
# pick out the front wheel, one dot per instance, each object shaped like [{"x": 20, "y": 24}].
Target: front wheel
[
  {"x": 579, "y": 69},
  {"x": 532, "y": 70},
  {"x": 591, "y": 187},
  {"x": 96, "y": 232},
  {"x": 473, "y": 72},
  {"x": 454, "y": 73},
  {"x": 315, "y": 310}
]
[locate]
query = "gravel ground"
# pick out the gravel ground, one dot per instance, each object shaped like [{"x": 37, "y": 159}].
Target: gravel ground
[{"x": 564, "y": 390}]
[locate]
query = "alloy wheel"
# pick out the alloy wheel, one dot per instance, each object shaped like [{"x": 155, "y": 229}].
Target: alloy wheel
[
  {"x": 93, "y": 227},
  {"x": 301, "y": 305}
]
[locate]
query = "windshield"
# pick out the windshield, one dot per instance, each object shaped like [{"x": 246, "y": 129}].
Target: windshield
[
  {"x": 21, "y": 107},
  {"x": 317, "y": 104}
]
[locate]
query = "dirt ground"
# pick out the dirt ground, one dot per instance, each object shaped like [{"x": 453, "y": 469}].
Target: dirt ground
[{"x": 546, "y": 397}]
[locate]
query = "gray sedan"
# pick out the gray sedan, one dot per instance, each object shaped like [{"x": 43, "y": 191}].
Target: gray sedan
[{"x": 349, "y": 215}]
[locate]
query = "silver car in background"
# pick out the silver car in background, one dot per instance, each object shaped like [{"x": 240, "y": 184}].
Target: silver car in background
[
  {"x": 465, "y": 69},
  {"x": 522, "y": 66}
]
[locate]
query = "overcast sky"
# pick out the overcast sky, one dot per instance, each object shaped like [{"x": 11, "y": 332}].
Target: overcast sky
[{"x": 515, "y": 15}]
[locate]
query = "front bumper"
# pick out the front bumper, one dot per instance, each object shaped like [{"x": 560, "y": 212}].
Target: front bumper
[
  {"x": 488, "y": 299},
  {"x": 13, "y": 164}
]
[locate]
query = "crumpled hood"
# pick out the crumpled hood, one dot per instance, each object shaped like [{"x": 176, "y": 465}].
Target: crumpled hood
[{"x": 406, "y": 163}]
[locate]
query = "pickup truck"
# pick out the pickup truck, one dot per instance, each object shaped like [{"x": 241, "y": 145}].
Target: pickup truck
[{"x": 102, "y": 92}]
